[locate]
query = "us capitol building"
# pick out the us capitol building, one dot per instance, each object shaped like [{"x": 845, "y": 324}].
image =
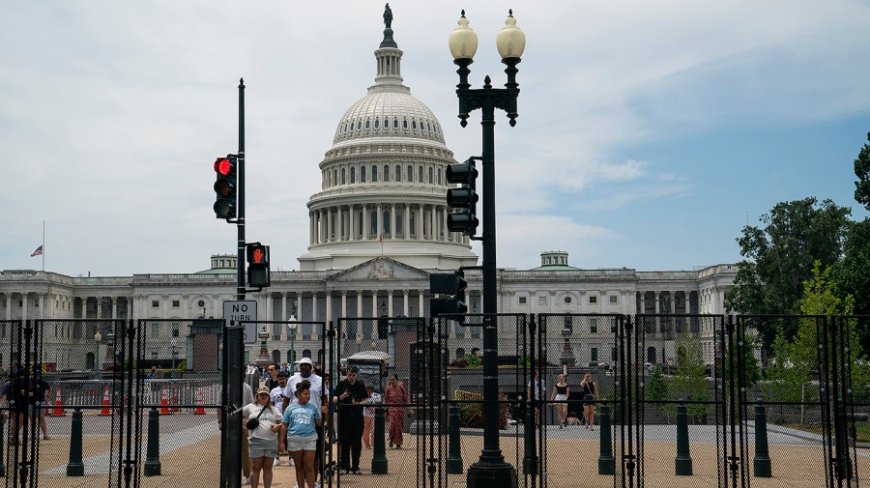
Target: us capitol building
[{"x": 377, "y": 228}]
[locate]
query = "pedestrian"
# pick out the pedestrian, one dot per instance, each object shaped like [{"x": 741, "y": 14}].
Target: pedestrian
[
  {"x": 590, "y": 394},
  {"x": 349, "y": 396},
  {"x": 301, "y": 419},
  {"x": 561, "y": 392},
  {"x": 535, "y": 390},
  {"x": 369, "y": 416},
  {"x": 306, "y": 373},
  {"x": 396, "y": 398},
  {"x": 272, "y": 371},
  {"x": 263, "y": 423},
  {"x": 277, "y": 394}
]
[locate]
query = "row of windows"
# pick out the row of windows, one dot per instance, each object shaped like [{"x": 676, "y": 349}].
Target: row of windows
[
  {"x": 365, "y": 174},
  {"x": 542, "y": 299},
  {"x": 427, "y": 127},
  {"x": 156, "y": 303}
]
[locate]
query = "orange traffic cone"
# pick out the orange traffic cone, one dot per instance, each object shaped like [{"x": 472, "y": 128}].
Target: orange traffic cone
[
  {"x": 164, "y": 400},
  {"x": 58, "y": 405},
  {"x": 199, "y": 410},
  {"x": 106, "y": 402}
]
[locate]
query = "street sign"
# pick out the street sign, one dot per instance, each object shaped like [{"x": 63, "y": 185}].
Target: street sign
[{"x": 243, "y": 311}]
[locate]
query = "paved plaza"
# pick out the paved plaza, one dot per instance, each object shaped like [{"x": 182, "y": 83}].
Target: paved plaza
[{"x": 190, "y": 457}]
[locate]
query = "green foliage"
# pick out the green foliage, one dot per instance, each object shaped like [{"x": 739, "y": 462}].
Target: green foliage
[
  {"x": 852, "y": 273},
  {"x": 689, "y": 381},
  {"x": 862, "y": 171},
  {"x": 779, "y": 257},
  {"x": 657, "y": 390},
  {"x": 473, "y": 361}
]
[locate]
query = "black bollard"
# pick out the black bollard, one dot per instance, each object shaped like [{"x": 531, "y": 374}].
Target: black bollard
[
  {"x": 379, "y": 457},
  {"x": 605, "y": 453},
  {"x": 761, "y": 462},
  {"x": 454, "y": 457},
  {"x": 152, "y": 460},
  {"x": 75, "y": 466},
  {"x": 683, "y": 461}
]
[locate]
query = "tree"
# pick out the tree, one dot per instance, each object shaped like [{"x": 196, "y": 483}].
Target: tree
[
  {"x": 689, "y": 381},
  {"x": 779, "y": 257},
  {"x": 657, "y": 391},
  {"x": 862, "y": 171}
]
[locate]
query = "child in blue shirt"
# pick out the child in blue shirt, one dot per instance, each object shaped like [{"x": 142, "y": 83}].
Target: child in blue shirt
[{"x": 300, "y": 419}]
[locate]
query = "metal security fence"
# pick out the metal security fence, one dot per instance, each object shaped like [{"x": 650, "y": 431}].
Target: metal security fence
[{"x": 680, "y": 400}]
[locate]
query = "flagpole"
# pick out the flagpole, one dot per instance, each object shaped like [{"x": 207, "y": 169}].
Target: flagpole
[{"x": 43, "y": 246}]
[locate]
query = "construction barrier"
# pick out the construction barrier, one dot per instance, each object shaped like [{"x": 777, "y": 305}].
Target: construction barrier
[
  {"x": 58, "y": 405},
  {"x": 107, "y": 402},
  {"x": 164, "y": 400},
  {"x": 200, "y": 409}
]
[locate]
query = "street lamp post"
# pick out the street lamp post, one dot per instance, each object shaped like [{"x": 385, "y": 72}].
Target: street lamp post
[
  {"x": 491, "y": 469},
  {"x": 97, "y": 339},
  {"x": 292, "y": 326}
]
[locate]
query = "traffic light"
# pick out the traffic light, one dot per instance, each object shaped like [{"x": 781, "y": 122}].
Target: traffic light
[
  {"x": 258, "y": 265},
  {"x": 225, "y": 186},
  {"x": 449, "y": 284},
  {"x": 463, "y": 200}
]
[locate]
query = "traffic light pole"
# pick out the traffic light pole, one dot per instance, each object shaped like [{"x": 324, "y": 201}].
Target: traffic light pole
[
  {"x": 491, "y": 469},
  {"x": 240, "y": 216}
]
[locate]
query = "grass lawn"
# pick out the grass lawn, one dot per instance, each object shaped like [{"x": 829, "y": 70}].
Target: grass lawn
[{"x": 862, "y": 430}]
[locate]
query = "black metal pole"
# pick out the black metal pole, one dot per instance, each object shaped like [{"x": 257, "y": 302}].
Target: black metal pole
[
  {"x": 491, "y": 469},
  {"x": 240, "y": 216}
]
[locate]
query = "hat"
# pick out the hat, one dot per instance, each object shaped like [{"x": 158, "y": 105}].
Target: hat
[
  {"x": 263, "y": 391},
  {"x": 306, "y": 361}
]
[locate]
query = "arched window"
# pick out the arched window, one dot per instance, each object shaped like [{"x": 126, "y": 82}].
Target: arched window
[
  {"x": 395, "y": 123},
  {"x": 420, "y": 174},
  {"x": 410, "y": 174},
  {"x": 368, "y": 122},
  {"x": 412, "y": 226},
  {"x": 439, "y": 176},
  {"x": 399, "y": 221},
  {"x": 359, "y": 124},
  {"x": 413, "y": 124},
  {"x": 373, "y": 216},
  {"x": 398, "y": 173},
  {"x": 430, "y": 175},
  {"x": 374, "y": 174},
  {"x": 353, "y": 174},
  {"x": 334, "y": 177},
  {"x": 362, "y": 174},
  {"x": 404, "y": 123},
  {"x": 386, "y": 222},
  {"x": 386, "y": 172},
  {"x": 377, "y": 123},
  {"x": 342, "y": 176}
]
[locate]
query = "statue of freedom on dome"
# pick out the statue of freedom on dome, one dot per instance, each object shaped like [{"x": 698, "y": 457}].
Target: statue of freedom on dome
[{"x": 388, "y": 16}]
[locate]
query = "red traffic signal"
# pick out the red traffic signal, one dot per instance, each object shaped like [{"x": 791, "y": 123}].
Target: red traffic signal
[{"x": 225, "y": 187}]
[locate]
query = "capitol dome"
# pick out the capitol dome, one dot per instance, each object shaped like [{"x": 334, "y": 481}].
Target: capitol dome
[{"x": 383, "y": 182}]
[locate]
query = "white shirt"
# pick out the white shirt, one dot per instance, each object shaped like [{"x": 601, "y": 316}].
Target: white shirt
[
  {"x": 277, "y": 395},
  {"x": 316, "y": 388},
  {"x": 269, "y": 418}
]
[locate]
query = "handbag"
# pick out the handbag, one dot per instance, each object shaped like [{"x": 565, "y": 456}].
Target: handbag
[{"x": 255, "y": 422}]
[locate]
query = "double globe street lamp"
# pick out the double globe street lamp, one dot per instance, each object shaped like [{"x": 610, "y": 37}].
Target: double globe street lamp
[{"x": 491, "y": 469}]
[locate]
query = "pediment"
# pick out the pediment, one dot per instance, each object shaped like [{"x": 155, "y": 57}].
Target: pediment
[{"x": 380, "y": 269}]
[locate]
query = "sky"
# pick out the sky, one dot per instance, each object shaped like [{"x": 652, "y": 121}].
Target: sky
[{"x": 649, "y": 133}]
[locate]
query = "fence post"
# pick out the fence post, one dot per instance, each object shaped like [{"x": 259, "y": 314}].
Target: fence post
[
  {"x": 454, "y": 457},
  {"x": 683, "y": 461},
  {"x": 152, "y": 460},
  {"x": 75, "y": 466},
  {"x": 761, "y": 463},
  {"x": 379, "y": 459},
  {"x": 605, "y": 454},
  {"x": 2, "y": 436}
]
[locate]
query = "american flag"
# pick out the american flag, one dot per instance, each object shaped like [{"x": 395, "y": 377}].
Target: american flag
[{"x": 37, "y": 252}]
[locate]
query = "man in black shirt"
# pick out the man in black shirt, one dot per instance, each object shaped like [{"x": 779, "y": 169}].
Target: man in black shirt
[
  {"x": 272, "y": 380},
  {"x": 349, "y": 396}
]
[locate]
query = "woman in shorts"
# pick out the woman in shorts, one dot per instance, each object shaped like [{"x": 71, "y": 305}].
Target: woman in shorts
[
  {"x": 264, "y": 439},
  {"x": 561, "y": 393},
  {"x": 301, "y": 419}
]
